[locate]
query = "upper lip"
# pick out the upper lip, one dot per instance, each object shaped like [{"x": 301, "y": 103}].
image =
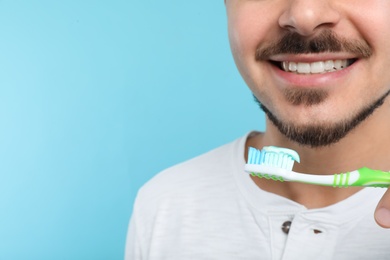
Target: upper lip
[{"x": 312, "y": 57}]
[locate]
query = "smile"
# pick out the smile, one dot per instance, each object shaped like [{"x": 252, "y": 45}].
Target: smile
[{"x": 317, "y": 67}]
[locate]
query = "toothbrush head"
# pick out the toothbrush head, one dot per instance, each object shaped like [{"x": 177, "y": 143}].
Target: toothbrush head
[
  {"x": 271, "y": 162},
  {"x": 273, "y": 156}
]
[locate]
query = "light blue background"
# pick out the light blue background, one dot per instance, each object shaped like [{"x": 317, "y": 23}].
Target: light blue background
[{"x": 96, "y": 97}]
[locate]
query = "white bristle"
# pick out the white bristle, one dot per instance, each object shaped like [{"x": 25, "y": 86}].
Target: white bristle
[{"x": 273, "y": 157}]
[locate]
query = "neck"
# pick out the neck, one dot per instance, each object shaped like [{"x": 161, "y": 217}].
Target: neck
[{"x": 368, "y": 145}]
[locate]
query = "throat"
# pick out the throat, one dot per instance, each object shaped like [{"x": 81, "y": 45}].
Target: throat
[{"x": 308, "y": 195}]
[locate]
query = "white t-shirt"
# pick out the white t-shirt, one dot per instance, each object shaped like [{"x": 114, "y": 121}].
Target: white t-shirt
[{"x": 209, "y": 208}]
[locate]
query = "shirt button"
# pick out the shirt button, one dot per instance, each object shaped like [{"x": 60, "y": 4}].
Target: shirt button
[{"x": 286, "y": 227}]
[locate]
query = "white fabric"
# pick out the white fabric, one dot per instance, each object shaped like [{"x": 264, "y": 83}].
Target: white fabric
[{"x": 209, "y": 208}]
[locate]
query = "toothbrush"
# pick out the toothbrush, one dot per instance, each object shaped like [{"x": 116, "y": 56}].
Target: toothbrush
[{"x": 276, "y": 163}]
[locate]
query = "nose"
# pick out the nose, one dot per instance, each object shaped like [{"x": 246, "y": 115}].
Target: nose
[{"x": 307, "y": 16}]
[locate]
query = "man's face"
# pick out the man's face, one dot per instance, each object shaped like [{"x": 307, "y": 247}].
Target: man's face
[{"x": 320, "y": 64}]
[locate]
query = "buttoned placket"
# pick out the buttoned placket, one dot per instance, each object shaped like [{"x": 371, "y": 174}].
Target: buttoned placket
[{"x": 301, "y": 236}]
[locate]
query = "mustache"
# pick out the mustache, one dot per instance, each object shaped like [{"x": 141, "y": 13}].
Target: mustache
[{"x": 327, "y": 41}]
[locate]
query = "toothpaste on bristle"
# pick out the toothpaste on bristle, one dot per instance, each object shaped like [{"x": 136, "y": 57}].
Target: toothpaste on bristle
[{"x": 273, "y": 156}]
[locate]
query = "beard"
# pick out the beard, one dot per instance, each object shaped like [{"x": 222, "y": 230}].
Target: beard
[{"x": 317, "y": 134}]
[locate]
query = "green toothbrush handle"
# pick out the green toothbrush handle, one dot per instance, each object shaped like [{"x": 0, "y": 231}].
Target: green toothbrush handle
[{"x": 362, "y": 177}]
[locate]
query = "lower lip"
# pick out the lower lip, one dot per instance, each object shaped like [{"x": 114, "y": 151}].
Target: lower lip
[{"x": 312, "y": 80}]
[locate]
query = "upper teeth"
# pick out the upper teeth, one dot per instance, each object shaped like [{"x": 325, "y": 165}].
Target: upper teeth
[{"x": 314, "y": 67}]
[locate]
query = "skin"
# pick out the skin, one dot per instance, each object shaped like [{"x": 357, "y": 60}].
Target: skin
[{"x": 255, "y": 24}]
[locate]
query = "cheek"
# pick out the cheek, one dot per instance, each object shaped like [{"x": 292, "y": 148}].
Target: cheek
[
  {"x": 242, "y": 44},
  {"x": 372, "y": 21},
  {"x": 377, "y": 31},
  {"x": 246, "y": 32},
  {"x": 247, "y": 28},
  {"x": 240, "y": 39}
]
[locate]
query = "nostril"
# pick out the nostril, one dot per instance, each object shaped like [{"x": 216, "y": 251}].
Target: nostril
[{"x": 308, "y": 17}]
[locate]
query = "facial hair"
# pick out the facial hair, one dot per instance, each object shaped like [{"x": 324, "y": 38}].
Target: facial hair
[
  {"x": 315, "y": 135},
  {"x": 326, "y": 41},
  {"x": 321, "y": 135}
]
